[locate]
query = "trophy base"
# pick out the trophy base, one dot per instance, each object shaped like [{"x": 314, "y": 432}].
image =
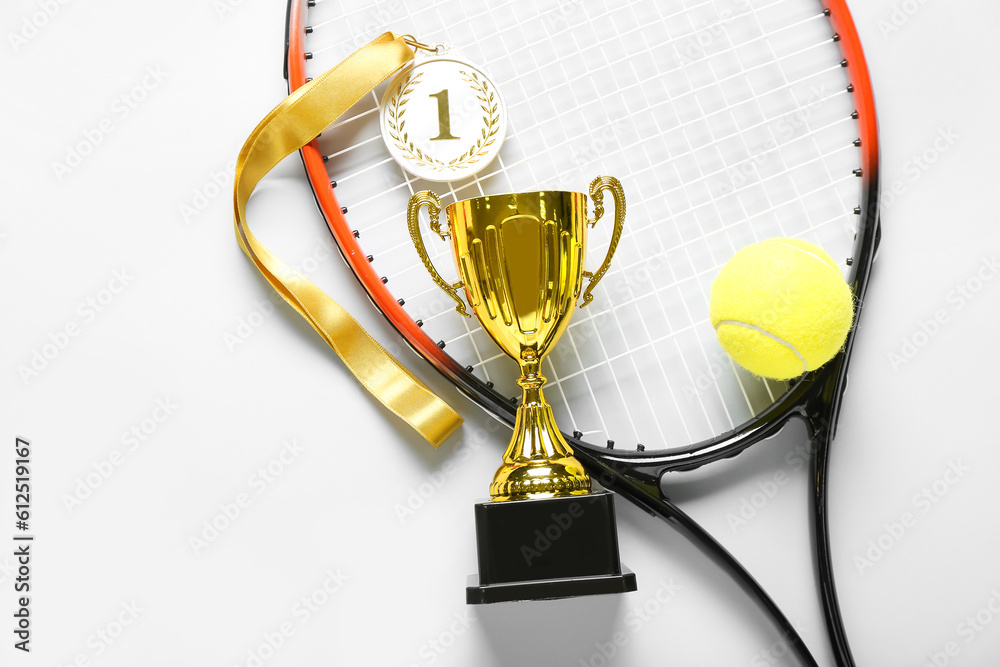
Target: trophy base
[
  {"x": 548, "y": 548},
  {"x": 548, "y": 589}
]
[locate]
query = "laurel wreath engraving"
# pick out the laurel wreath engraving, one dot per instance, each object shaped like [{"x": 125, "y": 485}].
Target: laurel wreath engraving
[{"x": 401, "y": 139}]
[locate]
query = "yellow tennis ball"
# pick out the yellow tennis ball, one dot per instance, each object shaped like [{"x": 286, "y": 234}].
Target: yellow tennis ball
[{"x": 781, "y": 307}]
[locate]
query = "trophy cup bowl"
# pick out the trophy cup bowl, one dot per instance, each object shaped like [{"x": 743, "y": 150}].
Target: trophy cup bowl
[{"x": 520, "y": 259}]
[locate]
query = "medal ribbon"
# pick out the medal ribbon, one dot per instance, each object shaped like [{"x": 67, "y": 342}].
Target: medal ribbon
[{"x": 288, "y": 127}]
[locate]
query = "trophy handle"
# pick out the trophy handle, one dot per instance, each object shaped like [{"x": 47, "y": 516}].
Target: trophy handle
[
  {"x": 597, "y": 188},
  {"x": 429, "y": 199}
]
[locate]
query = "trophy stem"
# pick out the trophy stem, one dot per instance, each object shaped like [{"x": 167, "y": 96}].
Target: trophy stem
[{"x": 538, "y": 463}]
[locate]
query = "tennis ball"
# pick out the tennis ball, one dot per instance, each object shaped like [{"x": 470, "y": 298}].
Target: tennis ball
[{"x": 781, "y": 307}]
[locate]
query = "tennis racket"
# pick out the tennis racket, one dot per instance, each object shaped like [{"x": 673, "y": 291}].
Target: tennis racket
[{"x": 727, "y": 122}]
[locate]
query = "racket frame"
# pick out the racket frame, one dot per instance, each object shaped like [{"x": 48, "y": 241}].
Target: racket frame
[
  {"x": 800, "y": 400},
  {"x": 815, "y": 398}
]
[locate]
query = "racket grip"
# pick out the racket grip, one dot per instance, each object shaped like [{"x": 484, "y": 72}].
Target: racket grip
[
  {"x": 597, "y": 188},
  {"x": 433, "y": 204}
]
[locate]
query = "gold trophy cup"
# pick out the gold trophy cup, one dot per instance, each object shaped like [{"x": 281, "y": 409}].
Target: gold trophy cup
[{"x": 520, "y": 258}]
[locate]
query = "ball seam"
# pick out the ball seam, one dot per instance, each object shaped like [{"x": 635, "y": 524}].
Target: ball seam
[
  {"x": 814, "y": 256},
  {"x": 780, "y": 341}
]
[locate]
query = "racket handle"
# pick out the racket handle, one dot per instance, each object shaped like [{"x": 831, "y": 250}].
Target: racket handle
[
  {"x": 433, "y": 204},
  {"x": 597, "y": 188}
]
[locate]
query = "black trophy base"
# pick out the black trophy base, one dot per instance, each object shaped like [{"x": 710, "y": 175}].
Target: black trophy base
[
  {"x": 549, "y": 589},
  {"x": 547, "y": 549}
]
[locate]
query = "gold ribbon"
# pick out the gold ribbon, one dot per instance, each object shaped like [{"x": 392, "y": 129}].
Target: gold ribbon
[{"x": 291, "y": 125}]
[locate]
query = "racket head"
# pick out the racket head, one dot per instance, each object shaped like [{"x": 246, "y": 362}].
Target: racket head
[{"x": 811, "y": 70}]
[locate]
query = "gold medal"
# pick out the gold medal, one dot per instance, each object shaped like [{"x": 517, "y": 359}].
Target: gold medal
[{"x": 443, "y": 119}]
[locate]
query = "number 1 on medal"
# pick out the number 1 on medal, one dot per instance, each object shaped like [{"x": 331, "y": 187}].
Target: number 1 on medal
[
  {"x": 429, "y": 141},
  {"x": 444, "y": 119}
]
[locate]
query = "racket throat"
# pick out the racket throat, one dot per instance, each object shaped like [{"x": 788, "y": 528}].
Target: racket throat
[{"x": 538, "y": 463}]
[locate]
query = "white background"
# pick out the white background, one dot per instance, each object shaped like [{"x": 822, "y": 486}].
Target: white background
[{"x": 333, "y": 507}]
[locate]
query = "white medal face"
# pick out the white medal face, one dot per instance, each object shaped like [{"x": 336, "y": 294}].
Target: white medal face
[{"x": 443, "y": 119}]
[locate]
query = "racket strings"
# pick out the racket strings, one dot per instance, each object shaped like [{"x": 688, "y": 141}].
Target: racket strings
[
  {"x": 710, "y": 177},
  {"x": 692, "y": 91},
  {"x": 811, "y": 135},
  {"x": 729, "y": 421}
]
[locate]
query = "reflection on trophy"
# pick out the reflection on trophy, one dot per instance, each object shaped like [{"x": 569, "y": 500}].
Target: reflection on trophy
[{"x": 520, "y": 259}]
